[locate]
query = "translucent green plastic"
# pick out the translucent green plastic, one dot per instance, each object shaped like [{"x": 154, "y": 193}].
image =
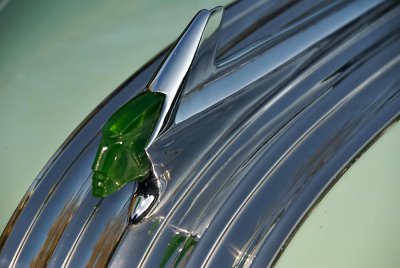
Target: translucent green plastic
[{"x": 121, "y": 157}]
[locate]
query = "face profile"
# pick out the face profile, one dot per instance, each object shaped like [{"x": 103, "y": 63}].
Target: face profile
[{"x": 121, "y": 156}]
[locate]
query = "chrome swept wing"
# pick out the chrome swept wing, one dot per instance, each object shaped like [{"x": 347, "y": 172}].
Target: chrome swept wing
[{"x": 191, "y": 59}]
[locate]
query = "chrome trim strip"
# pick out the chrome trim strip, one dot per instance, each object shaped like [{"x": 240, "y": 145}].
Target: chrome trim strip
[{"x": 237, "y": 79}]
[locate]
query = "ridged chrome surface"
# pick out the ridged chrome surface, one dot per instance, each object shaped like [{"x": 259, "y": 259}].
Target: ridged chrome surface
[{"x": 303, "y": 88}]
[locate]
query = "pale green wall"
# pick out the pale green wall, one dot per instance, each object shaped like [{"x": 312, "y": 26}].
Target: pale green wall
[
  {"x": 58, "y": 60},
  {"x": 357, "y": 223}
]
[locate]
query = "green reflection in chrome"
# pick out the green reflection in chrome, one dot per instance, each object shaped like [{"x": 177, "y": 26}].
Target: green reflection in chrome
[
  {"x": 121, "y": 156},
  {"x": 176, "y": 249}
]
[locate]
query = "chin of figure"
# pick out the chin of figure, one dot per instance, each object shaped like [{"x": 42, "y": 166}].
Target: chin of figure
[{"x": 103, "y": 186}]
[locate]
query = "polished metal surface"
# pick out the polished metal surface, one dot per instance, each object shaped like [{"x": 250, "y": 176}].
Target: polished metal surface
[
  {"x": 144, "y": 198},
  {"x": 296, "y": 103},
  {"x": 315, "y": 28},
  {"x": 184, "y": 55}
]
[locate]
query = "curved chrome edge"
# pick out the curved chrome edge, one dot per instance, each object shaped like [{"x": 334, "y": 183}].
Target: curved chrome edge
[
  {"x": 317, "y": 198},
  {"x": 186, "y": 54}
]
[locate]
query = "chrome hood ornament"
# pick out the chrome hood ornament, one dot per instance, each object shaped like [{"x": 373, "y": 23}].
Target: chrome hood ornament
[
  {"x": 123, "y": 154},
  {"x": 237, "y": 159}
]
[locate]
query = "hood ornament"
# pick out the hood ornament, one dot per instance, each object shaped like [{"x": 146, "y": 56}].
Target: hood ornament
[{"x": 123, "y": 154}]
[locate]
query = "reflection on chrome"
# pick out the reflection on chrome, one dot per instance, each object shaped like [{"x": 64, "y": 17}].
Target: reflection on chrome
[
  {"x": 187, "y": 52},
  {"x": 143, "y": 200},
  {"x": 268, "y": 133},
  {"x": 242, "y": 259},
  {"x": 179, "y": 248}
]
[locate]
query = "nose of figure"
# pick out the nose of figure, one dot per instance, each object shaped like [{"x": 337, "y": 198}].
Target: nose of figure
[{"x": 116, "y": 166}]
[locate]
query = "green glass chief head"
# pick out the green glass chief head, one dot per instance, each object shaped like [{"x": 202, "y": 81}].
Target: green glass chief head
[{"x": 121, "y": 156}]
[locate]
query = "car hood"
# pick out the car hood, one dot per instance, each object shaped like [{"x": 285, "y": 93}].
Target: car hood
[{"x": 290, "y": 102}]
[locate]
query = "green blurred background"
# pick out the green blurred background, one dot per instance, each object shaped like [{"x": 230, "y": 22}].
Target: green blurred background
[{"x": 58, "y": 60}]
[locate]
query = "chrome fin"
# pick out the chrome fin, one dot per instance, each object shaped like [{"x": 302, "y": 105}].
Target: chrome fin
[{"x": 193, "y": 54}]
